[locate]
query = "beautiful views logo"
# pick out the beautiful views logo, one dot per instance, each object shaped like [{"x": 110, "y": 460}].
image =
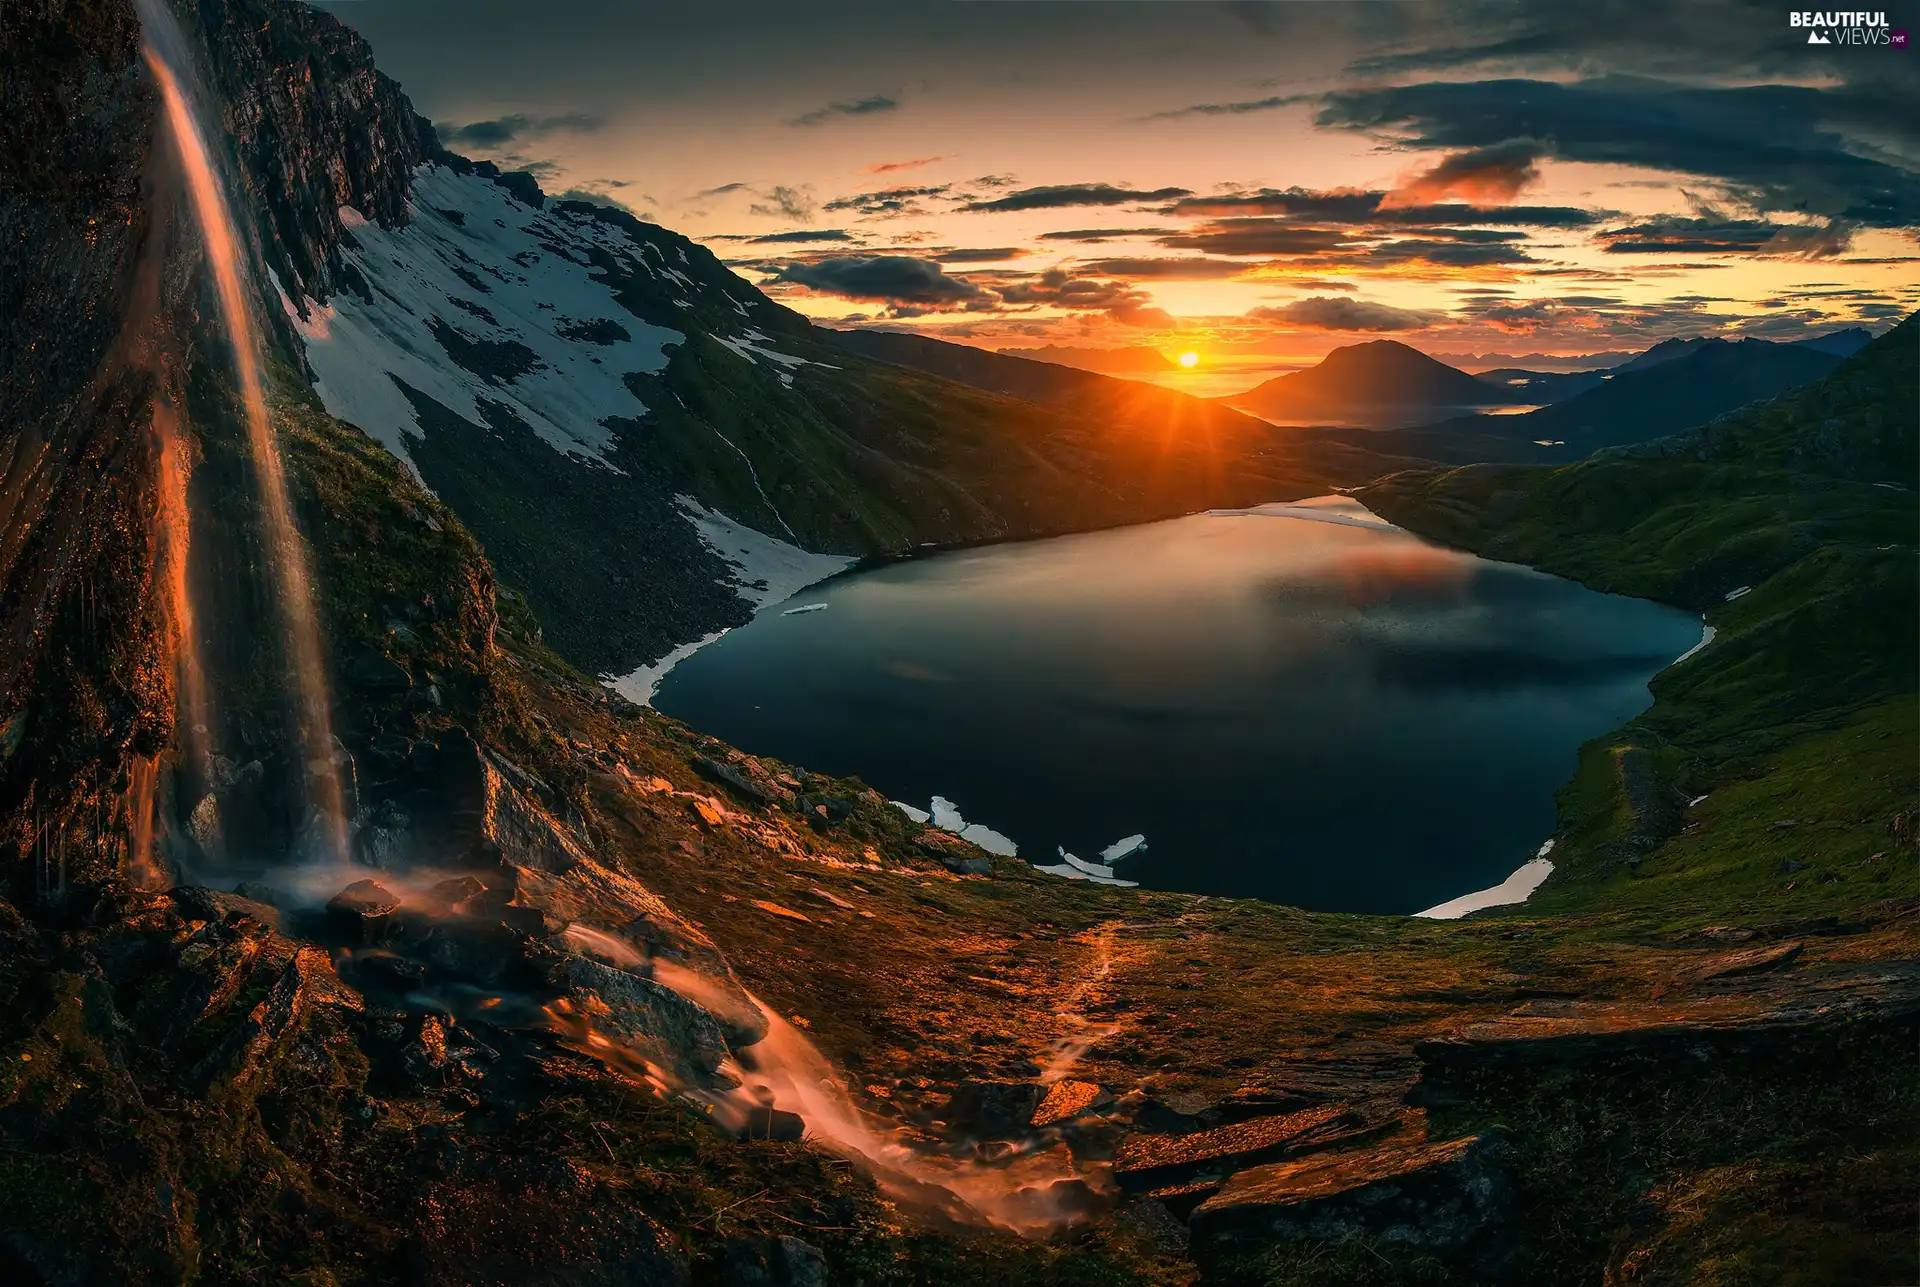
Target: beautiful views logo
[{"x": 1841, "y": 28}]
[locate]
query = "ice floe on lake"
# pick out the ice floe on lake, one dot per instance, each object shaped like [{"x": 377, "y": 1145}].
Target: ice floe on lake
[
  {"x": 1516, "y": 888},
  {"x": 804, "y": 608}
]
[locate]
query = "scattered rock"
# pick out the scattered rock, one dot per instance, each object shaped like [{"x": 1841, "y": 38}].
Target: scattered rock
[
  {"x": 767, "y": 1123},
  {"x": 1790, "y": 865},
  {"x": 363, "y": 911},
  {"x": 1066, "y": 1100},
  {"x": 992, "y": 1109},
  {"x": 374, "y": 672},
  {"x": 832, "y": 900},
  {"x": 1435, "y": 1197},
  {"x": 1147, "y": 1163},
  {"x": 748, "y": 1261},
  {"x": 778, "y": 910}
]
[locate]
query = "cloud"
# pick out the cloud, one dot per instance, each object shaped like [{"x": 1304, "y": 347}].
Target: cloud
[
  {"x": 1773, "y": 147},
  {"x": 1102, "y": 234},
  {"x": 1180, "y": 269},
  {"x": 1118, "y": 300},
  {"x": 804, "y": 234},
  {"x": 721, "y": 191},
  {"x": 893, "y": 279},
  {"x": 1352, "y": 205},
  {"x": 888, "y": 202},
  {"x": 1260, "y": 237},
  {"x": 783, "y": 201},
  {"x": 1496, "y": 173},
  {"x": 1334, "y": 313},
  {"x": 979, "y": 254},
  {"x": 1232, "y": 109},
  {"x": 871, "y": 105},
  {"x": 894, "y": 167},
  {"x": 1714, "y": 234},
  {"x": 1061, "y": 195},
  {"x": 502, "y": 130}
]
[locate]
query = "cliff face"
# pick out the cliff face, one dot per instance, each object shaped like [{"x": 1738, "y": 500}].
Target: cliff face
[
  {"x": 314, "y": 125},
  {"x": 84, "y": 292}
]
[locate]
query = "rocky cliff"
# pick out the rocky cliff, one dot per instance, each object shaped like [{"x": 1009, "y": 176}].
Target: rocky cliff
[{"x": 314, "y": 126}]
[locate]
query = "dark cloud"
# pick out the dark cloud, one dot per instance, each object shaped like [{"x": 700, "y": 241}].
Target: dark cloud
[
  {"x": 1119, "y": 300},
  {"x": 1260, "y": 237},
  {"x": 1183, "y": 269},
  {"x": 805, "y": 234},
  {"x": 1719, "y": 235},
  {"x": 1334, "y": 313},
  {"x": 1496, "y": 173},
  {"x": 871, "y": 105},
  {"x": 1102, "y": 234},
  {"x": 720, "y": 191},
  {"x": 1232, "y": 109},
  {"x": 979, "y": 254},
  {"x": 1061, "y": 195},
  {"x": 894, "y": 279},
  {"x": 1773, "y": 147},
  {"x": 890, "y": 201},
  {"x": 502, "y": 130},
  {"x": 784, "y": 202},
  {"x": 1353, "y": 206}
]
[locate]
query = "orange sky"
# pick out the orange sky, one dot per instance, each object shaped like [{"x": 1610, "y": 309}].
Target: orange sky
[{"x": 1699, "y": 168}]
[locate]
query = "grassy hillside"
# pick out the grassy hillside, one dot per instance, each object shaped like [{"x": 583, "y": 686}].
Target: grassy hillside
[{"x": 1790, "y": 526}]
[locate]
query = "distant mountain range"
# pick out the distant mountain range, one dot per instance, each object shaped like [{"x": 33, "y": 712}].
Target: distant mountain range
[
  {"x": 1136, "y": 360},
  {"x": 1689, "y": 384},
  {"x": 1378, "y": 384}
]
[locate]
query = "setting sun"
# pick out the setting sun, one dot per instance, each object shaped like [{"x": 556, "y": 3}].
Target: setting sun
[{"x": 1188, "y": 360}]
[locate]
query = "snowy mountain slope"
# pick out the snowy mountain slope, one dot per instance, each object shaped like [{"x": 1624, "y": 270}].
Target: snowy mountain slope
[
  {"x": 651, "y": 450},
  {"x": 480, "y": 298}
]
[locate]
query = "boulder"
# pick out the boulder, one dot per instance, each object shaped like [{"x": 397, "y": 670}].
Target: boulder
[
  {"x": 373, "y": 672},
  {"x": 363, "y": 911},
  {"x": 992, "y": 1109},
  {"x": 767, "y": 1123},
  {"x": 1066, "y": 1100},
  {"x": 659, "y": 1024},
  {"x": 1436, "y": 1197},
  {"x": 755, "y": 1261},
  {"x": 1148, "y": 1163}
]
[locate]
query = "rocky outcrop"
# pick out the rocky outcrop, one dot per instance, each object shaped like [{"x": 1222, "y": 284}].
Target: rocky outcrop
[
  {"x": 1415, "y": 1195},
  {"x": 314, "y": 126},
  {"x": 85, "y": 289}
]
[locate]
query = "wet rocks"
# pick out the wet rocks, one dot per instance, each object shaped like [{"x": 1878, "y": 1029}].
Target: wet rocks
[
  {"x": 764, "y": 1122},
  {"x": 376, "y": 673},
  {"x": 674, "y": 1032},
  {"x": 1066, "y": 1100},
  {"x": 363, "y": 911},
  {"x": 992, "y": 1109},
  {"x": 1437, "y": 1197}
]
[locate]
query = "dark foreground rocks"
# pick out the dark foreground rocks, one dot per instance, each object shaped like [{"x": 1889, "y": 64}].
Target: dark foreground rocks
[{"x": 1437, "y": 1196}]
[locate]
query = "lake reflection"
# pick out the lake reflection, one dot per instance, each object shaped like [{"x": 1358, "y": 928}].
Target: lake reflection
[{"x": 1294, "y": 703}]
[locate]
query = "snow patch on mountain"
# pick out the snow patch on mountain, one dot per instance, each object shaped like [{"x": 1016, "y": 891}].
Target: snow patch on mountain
[
  {"x": 766, "y": 570},
  {"x": 479, "y": 298},
  {"x": 752, "y": 346}
]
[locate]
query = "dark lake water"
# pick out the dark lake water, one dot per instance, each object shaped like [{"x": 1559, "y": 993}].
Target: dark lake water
[{"x": 1339, "y": 717}]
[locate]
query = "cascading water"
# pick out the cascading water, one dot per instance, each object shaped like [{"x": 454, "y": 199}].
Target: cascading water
[{"x": 167, "y": 57}]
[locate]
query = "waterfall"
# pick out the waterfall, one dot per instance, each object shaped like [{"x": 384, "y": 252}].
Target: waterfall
[{"x": 168, "y": 58}]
